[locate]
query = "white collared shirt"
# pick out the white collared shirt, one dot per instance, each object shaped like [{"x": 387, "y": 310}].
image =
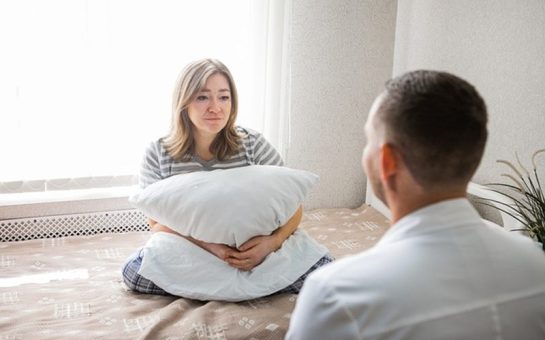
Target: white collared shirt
[{"x": 438, "y": 273}]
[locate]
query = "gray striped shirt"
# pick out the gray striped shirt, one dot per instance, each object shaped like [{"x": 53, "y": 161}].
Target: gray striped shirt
[{"x": 255, "y": 150}]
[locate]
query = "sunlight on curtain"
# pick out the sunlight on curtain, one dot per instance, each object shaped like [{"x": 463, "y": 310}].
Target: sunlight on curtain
[
  {"x": 272, "y": 93},
  {"x": 86, "y": 85}
]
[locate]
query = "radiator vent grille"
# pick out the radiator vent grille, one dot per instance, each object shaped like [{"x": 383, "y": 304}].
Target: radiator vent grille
[{"x": 72, "y": 225}]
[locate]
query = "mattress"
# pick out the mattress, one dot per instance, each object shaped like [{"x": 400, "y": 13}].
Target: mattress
[{"x": 71, "y": 287}]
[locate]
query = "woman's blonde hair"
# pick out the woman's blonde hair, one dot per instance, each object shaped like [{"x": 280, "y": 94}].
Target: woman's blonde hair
[{"x": 180, "y": 142}]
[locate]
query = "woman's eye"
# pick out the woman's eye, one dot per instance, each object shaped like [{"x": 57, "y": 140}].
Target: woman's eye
[
  {"x": 225, "y": 98},
  {"x": 202, "y": 98}
]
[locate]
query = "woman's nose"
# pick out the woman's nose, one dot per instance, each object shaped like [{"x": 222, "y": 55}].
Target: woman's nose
[{"x": 214, "y": 106}]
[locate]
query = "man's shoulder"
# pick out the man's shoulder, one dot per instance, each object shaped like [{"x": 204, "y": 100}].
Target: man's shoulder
[{"x": 353, "y": 269}]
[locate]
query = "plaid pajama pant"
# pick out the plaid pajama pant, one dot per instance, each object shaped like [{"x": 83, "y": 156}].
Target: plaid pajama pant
[{"x": 140, "y": 284}]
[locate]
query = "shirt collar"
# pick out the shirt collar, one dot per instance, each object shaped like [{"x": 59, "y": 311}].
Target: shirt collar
[{"x": 431, "y": 218}]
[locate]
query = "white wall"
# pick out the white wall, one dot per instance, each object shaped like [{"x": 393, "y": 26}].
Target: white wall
[
  {"x": 342, "y": 52},
  {"x": 497, "y": 45},
  {"x": 341, "y": 55}
]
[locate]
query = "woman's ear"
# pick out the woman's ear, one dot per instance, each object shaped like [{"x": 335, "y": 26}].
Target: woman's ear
[{"x": 389, "y": 165}]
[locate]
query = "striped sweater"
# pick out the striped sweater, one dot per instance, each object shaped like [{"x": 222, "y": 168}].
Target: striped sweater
[{"x": 255, "y": 150}]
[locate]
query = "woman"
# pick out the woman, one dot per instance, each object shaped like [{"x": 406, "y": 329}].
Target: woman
[{"x": 204, "y": 137}]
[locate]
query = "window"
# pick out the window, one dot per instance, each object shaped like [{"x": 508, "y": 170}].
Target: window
[{"x": 87, "y": 84}]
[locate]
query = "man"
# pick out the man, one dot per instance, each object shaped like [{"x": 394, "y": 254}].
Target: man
[{"x": 439, "y": 272}]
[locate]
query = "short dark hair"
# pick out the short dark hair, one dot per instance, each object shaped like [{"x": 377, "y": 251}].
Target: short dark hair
[{"x": 438, "y": 122}]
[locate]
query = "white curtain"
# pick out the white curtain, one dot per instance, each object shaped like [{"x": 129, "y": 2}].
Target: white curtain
[
  {"x": 272, "y": 69},
  {"x": 86, "y": 84}
]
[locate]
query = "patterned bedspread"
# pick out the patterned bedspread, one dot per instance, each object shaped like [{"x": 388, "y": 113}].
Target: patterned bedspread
[{"x": 67, "y": 288}]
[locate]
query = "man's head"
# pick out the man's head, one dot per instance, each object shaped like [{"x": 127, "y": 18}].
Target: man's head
[{"x": 434, "y": 122}]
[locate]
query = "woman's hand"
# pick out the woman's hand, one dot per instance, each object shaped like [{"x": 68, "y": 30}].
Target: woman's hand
[
  {"x": 254, "y": 251},
  {"x": 222, "y": 251}
]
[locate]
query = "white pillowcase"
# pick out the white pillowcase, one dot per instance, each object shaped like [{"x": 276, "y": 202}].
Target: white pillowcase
[
  {"x": 184, "y": 269},
  {"x": 226, "y": 206}
]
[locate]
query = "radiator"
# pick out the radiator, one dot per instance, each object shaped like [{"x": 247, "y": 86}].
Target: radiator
[{"x": 71, "y": 225}]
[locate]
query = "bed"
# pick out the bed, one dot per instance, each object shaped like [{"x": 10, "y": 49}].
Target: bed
[{"x": 71, "y": 287}]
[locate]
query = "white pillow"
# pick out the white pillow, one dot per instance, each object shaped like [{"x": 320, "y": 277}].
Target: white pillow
[
  {"x": 226, "y": 206},
  {"x": 184, "y": 269}
]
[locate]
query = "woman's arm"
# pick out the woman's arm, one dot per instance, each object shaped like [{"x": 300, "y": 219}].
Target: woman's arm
[
  {"x": 285, "y": 231},
  {"x": 251, "y": 253},
  {"x": 255, "y": 250},
  {"x": 222, "y": 251},
  {"x": 155, "y": 227}
]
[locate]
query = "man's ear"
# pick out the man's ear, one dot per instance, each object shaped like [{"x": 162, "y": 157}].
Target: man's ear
[{"x": 389, "y": 165}]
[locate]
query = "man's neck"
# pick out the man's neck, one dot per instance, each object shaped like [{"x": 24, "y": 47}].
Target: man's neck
[{"x": 402, "y": 205}]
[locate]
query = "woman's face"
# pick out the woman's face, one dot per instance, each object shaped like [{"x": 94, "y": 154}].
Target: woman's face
[{"x": 210, "y": 110}]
